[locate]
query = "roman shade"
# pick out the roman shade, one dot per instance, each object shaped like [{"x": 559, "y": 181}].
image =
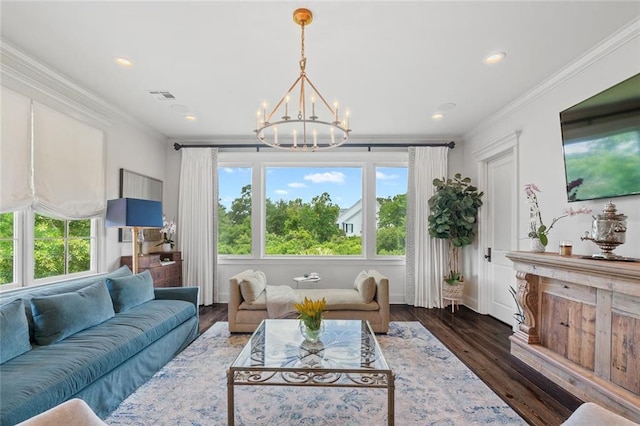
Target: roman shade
[
  {"x": 68, "y": 165},
  {"x": 15, "y": 152},
  {"x": 50, "y": 161}
]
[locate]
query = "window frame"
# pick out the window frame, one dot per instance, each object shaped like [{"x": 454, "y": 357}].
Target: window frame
[
  {"x": 24, "y": 244},
  {"x": 259, "y": 162}
]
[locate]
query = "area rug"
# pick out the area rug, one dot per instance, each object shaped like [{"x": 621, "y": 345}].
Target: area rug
[{"x": 432, "y": 387}]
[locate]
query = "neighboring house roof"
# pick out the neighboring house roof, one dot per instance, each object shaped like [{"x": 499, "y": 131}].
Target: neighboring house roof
[{"x": 347, "y": 215}]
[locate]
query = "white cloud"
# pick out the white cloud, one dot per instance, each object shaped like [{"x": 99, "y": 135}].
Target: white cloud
[
  {"x": 383, "y": 176},
  {"x": 281, "y": 191},
  {"x": 296, "y": 185},
  {"x": 228, "y": 170},
  {"x": 328, "y": 177}
]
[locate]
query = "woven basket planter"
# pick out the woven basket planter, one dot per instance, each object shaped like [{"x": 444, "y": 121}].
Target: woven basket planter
[{"x": 453, "y": 291}]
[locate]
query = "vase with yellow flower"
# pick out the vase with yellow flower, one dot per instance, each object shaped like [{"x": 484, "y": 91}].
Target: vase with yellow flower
[{"x": 310, "y": 316}]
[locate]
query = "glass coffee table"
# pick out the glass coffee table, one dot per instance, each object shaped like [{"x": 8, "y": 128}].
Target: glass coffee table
[{"x": 347, "y": 355}]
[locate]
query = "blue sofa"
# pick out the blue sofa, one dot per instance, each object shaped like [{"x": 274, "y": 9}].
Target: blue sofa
[{"x": 96, "y": 338}]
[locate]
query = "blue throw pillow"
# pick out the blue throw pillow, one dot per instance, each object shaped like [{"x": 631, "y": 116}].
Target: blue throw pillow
[
  {"x": 14, "y": 331},
  {"x": 131, "y": 291},
  {"x": 62, "y": 315}
]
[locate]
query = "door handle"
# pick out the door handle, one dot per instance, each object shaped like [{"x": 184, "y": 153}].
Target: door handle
[{"x": 488, "y": 255}]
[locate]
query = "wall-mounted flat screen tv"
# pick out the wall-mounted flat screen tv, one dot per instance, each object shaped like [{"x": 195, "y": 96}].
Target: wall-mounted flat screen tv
[{"x": 601, "y": 143}]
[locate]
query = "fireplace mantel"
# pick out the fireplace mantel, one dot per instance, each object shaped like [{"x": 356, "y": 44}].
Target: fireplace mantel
[{"x": 582, "y": 326}]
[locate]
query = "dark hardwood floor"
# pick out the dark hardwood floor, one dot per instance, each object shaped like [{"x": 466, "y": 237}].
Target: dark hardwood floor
[{"x": 482, "y": 343}]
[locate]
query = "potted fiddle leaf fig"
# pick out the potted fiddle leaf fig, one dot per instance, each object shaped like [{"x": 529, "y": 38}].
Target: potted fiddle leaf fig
[{"x": 453, "y": 217}]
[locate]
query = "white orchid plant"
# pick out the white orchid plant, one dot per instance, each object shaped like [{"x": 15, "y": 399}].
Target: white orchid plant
[
  {"x": 537, "y": 228},
  {"x": 167, "y": 231}
]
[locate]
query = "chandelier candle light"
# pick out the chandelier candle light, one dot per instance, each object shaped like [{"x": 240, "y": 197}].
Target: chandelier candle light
[{"x": 302, "y": 133}]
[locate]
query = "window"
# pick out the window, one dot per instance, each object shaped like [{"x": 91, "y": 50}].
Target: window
[
  {"x": 391, "y": 209},
  {"x": 234, "y": 210},
  {"x": 304, "y": 208},
  {"x": 7, "y": 247},
  {"x": 323, "y": 204},
  {"x": 61, "y": 246}
]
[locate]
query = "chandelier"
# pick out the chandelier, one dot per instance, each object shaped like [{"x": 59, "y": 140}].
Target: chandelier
[{"x": 303, "y": 132}]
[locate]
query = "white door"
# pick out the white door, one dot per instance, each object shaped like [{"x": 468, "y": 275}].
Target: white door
[
  {"x": 497, "y": 230},
  {"x": 500, "y": 203}
]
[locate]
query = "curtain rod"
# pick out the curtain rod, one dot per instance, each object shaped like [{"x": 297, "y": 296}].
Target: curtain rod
[{"x": 451, "y": 145}]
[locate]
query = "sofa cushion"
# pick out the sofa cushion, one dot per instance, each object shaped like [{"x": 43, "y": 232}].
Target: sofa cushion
[
  {"x": 259, "y": 304},
  {"x": 14, "y": 330},
  {"x": 129, "y": 292},
  {"x": 61, "y": 315},
  {"x": 366, "y": 286},
  {"x": 252, "y": 285},
  {"x": 338, "y": 299},
  {"x": 27, "y": 293}
]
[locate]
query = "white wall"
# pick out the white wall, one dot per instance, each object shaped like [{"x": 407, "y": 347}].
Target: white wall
[
  {"x": 540, "y": 148},
  {"x": 130, "y": 148}
]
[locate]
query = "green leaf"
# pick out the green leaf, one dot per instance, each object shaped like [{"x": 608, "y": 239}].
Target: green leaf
[{"x": 544, "y": 240}]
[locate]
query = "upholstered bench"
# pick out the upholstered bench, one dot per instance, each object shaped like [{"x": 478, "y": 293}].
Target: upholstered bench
[{"x": 367, "y": 300}]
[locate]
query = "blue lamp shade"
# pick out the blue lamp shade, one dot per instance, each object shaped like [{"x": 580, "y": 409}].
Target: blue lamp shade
[{"x": 126, "y": 212}]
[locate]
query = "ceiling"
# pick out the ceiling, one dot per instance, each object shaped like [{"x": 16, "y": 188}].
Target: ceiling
[{"x": 392, "y": 64}]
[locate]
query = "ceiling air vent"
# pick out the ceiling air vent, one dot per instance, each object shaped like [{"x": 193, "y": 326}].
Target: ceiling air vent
[{"x": 162, "y": 95}]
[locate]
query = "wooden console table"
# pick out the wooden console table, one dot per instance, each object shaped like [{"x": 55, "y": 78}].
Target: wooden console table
[
  {"x": 582, "y": 326},
  {"x": 165, "y": 267}
]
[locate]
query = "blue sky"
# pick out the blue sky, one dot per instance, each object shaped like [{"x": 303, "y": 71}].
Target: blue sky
[{"x": 344, "y": 184}]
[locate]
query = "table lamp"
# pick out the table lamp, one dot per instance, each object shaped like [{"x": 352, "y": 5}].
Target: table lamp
[{"x": 134, "y": 213}]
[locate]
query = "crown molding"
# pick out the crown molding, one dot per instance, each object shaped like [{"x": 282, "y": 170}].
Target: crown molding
[
  {"x": 497, "y": 147},
  {"x": 20, "y": 71},
  {"x": 627, "y": 33}
]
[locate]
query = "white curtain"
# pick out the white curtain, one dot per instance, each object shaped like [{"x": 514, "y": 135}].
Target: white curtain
[
  {"x": 197, "y": 219},
  {"x": 426, "y": 256}
]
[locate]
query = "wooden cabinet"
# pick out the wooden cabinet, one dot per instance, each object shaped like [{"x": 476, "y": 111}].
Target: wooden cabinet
[
  {"x": 568, "y": 321},
  {"x": 165, "y": 267},
  {"x": 582, "y": 326}
]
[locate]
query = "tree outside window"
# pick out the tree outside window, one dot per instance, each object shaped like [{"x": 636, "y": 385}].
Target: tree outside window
[
  {"x": 6, "y": 248},
  {"x": 391, "y": 196},
  {"x": 303, "y": 206},
  {"x": 61, "y": 246},
  {"x": 234, "y": 211}
]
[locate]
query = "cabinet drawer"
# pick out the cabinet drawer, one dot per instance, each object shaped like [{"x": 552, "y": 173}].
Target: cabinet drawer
[
  {"x": 158, "y": 273},
  {"x": 569, "y": 290}
]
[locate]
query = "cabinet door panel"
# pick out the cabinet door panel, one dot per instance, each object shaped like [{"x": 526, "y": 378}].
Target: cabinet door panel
[
  {"x": 625, "y": 351},
  {"x": 582, "y": 335},
  {"x": 554, "y": 315},
  {"x": 568, "y": 328}
]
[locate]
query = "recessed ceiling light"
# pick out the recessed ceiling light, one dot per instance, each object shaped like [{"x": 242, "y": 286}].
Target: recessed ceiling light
[
  {"x": 494, "y": 58},
  {"x": 190, "y": 117},
  {"x": 123, "y": 62},
  {"x": 437, "y": 116}
]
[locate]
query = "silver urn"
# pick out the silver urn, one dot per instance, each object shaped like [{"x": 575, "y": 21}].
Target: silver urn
[{"x": 608, "y": 231}]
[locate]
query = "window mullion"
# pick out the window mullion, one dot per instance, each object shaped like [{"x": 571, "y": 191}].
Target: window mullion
[
  {"x": 27, "y": 261},
  {"x": 66, "y": 246}
]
